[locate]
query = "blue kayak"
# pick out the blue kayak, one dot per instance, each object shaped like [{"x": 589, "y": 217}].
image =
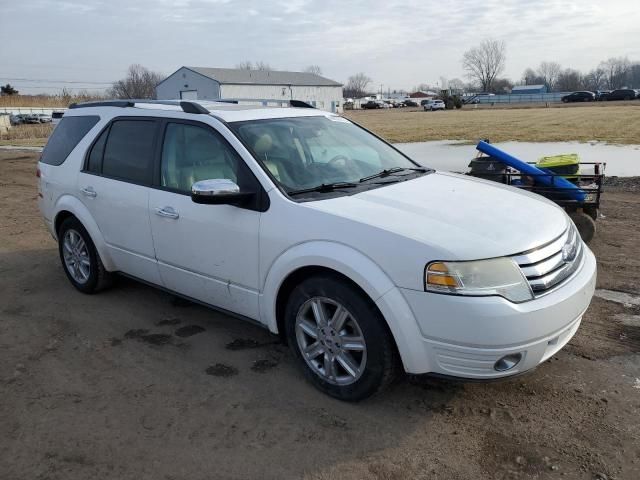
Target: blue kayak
[{"x": 544, "y": 177}]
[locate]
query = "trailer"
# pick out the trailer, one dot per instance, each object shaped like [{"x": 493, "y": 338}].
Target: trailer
[{"x": 561, "y": 179}]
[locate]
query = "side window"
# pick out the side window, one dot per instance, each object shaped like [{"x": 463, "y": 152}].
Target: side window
[
  {"x": 191, "y": 153},
  {"x": 128, "y": 152},
  {"x": 94, "y": 164},
  {"x": 65, "y": 137}
]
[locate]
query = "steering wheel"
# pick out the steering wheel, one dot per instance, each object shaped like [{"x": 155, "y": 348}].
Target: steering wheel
[{"x": 339, "y": 161}]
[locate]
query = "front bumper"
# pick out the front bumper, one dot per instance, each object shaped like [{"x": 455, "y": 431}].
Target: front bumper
[{"x": 465, "y": 336}]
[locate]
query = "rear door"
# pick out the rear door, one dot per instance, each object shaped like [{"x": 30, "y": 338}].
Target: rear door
[
  {"x": 207, "y": 252},
  {"x": 114, "y": 186}
]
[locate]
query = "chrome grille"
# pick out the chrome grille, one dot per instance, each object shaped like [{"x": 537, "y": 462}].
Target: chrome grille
[{"x": 548, "y": 266}]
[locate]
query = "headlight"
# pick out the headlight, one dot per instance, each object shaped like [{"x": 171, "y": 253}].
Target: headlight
[{"x": 496, "y": 276}]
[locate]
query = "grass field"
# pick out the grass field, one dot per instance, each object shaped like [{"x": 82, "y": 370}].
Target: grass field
[
  {"x": 617, "y": 124},
  {"x": 27, "y": 135},
  {"x": 603, "y": 122}
]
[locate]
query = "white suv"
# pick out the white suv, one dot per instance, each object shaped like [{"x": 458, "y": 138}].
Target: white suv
[
  {"x": 432, "y": 105},
  {"x": 364, "y": 261}
]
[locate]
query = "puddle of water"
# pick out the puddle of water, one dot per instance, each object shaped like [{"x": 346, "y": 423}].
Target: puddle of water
[
  {"x": 189, "y": 330},
  {"x": 622, "y": 160},
  {"x": 221, "y": 370},
  {"x": 262, "y": 366},
  {"x": 618, "y": 297}
]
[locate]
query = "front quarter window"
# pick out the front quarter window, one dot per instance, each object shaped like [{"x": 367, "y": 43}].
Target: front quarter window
[{"x": 306, "y": 152}]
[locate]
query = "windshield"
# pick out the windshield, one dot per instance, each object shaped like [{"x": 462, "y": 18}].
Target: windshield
[{"x": 307, "y": 152}]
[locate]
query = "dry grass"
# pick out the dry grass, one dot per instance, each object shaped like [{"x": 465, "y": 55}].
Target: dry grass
[
  {"x": 27, "y": 135},
  {"x": 44, "y": 101},
  {"x": 614, "y": 124}
]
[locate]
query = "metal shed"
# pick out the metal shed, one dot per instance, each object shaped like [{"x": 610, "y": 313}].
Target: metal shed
[{"x": 191, "y": 83}]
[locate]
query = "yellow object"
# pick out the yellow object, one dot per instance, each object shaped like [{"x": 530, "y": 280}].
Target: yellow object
[{"x": 567, "y": 165}]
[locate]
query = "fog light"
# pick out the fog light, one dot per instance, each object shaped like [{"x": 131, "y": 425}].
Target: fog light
[{"x": 507, "y": 362}]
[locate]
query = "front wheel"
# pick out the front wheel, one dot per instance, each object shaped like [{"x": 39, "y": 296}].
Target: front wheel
[{"x": 340, "y": 338}]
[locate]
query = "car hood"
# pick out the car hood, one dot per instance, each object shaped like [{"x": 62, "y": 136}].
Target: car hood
[{"x": 457, "y": 216}]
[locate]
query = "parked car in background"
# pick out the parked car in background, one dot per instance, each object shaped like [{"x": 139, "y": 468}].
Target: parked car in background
[
  {"x": 371, "y": 105},
  {"x": 602, "y": 94},
  {"x": 621, "y": 94},
  {"x": 44, "y": 117},
  {"x": 57, "y": 116},
  {"x": 365, "y": 262},
  {"x": 433, "y": 105},
  {"x": 581, "y": 96},
  {"x": 31, "y": 118},
  {"x": 16, "y": 119},
  {"x": 410, "y": 103}
]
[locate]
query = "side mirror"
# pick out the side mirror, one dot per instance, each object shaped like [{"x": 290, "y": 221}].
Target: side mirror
[{"x": 219, "y": 191}]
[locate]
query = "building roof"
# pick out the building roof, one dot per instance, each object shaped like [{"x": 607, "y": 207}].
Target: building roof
[
  {"x": 528, "y": 87},
  {"x": 264, "y": 77}
]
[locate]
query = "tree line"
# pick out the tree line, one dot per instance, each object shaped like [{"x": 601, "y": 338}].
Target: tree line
[{"x": 484, "y": 63}]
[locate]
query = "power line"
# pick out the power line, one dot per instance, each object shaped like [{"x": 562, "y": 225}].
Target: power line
[{"x": 41, "y": 80}]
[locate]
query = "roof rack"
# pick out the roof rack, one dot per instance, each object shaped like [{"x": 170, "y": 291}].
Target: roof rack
[{"x": 187, "y": 107}]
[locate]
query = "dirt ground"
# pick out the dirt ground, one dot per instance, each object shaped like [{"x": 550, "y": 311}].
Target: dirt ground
[
  {"x": 602, "y": 121},
  {"x": 133, "y": 384}
]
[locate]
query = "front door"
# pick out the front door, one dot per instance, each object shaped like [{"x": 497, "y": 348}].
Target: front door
[{"x": 207, "y": 252}]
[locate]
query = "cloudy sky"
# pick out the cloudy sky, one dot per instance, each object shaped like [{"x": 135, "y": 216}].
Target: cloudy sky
[{"x": 399, "y": 44}]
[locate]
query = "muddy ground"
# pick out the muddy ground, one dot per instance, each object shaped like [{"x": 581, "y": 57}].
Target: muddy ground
[{"x": 132, "y": 384}]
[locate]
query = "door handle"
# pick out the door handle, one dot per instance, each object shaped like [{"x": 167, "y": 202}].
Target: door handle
[
  {"x": 167, "y": 212},
  {"x": 89, "y": 192}
]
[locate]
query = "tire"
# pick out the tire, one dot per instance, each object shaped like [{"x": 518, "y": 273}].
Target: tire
[
  {"x": 585, "y": 224},
  {"x": 76, "y": 248},
  {"x": 372, "y": 361}
]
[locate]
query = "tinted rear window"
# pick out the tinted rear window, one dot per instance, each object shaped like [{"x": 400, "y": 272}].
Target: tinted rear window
[
  {"x": 65, "y": 137},
  {"x": 128, "y": 153}
]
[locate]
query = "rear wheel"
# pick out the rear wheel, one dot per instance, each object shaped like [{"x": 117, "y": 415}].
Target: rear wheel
[
  {"x": 340, "y": 338},
  {"x": 80, "y": 259}
]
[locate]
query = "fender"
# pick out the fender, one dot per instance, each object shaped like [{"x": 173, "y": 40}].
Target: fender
[
  {"x": 366, "y": 274},
  {"x": 77, "y": 208}
]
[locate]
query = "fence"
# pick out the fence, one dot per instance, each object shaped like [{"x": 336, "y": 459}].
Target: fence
[
  {"x": 522, "y": 98},
  {"x": 17, "y": 110}
]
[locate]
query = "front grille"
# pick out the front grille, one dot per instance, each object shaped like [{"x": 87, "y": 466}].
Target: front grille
[{"x": 549, "y": 266}]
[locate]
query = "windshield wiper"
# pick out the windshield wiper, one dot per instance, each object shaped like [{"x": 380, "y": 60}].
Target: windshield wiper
[
  {"x": 390, "y": 171},
  {"x": 324, "y": 187}
]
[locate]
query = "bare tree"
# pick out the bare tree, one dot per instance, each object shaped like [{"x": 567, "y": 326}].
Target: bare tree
[
  {"x": 485, "y": 62},
  {"x": 140, "y": 82},
  {"x": 569, "y": 80},
  {"x": 530, "y": 77},
  {"x": 356, "y": 86},
  {"x": 595, "y": 79},
  {"x": 616, "y": 72},
  {"x": 548, "y": 72},
  {"x": 315, "y": 69},
  {"x": 501, "y": 86},
  {"x": 249, "y": 65},
  {"x": 456, "y": 85}
]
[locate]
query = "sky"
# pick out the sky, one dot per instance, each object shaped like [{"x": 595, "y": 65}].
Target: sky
[{"x": 49, "y": 44}]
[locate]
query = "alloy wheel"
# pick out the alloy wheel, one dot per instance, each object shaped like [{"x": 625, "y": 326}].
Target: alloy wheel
[
  {"x": 331, "y": 341},
  {"x": 76, "y": 256}
]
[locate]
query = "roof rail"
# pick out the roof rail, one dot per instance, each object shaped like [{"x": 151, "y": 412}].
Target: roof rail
[{"x": 187, "y": 107}]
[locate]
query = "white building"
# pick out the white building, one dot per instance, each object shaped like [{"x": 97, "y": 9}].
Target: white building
[{"x": 199, "y": 83}]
